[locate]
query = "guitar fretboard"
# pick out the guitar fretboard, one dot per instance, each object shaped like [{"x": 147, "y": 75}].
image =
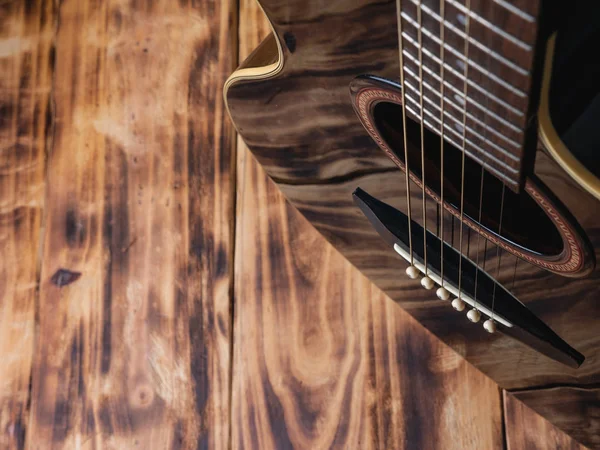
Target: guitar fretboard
[{"x": 476, "y": 60}]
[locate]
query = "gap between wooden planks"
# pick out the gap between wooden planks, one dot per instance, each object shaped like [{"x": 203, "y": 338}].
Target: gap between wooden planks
[{"x": 526, "y": 430}]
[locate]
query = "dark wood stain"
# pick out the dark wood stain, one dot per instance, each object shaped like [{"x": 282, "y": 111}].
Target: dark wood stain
[
  {"x": 73, "y": 228},
  {"x": 290, "y": 41},
  {"x": 139, "y": 203},
  {"x": 64, "y": 277}
]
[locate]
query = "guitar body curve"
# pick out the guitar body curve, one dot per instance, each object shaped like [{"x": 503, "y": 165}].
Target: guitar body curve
[{"x": 290, "y": 102}]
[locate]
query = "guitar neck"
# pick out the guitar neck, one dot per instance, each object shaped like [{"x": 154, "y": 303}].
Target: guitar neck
[{"x": 474, "y": 60}]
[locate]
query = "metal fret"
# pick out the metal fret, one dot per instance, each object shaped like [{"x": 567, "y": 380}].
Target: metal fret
[
  {"x": 483, "y": 138},
  {"x": 456, "y": 133},
  {"x": 488, "y": 51},
  {"x": 489, "y": 25},
  {"x": 472, "y": 155},
  {"x": 487, "y": 89},
  {"x": 513, "y": 9},
  {"x": 460, "y": 95},
  {"x": 471, "y": 83},
  {"x": 475, "y": 42},
  {"x": 508, "y": 140},
  {"x": 471, "y": 62}
]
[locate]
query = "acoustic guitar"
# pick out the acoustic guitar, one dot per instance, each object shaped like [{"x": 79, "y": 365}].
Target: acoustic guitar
[{"x": 450, "y": 149}]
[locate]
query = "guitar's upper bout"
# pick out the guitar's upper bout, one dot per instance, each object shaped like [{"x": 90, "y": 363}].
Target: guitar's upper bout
[{"x": 265, "y": 62}]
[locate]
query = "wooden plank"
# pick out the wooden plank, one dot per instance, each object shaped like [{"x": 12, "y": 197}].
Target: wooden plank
[
  {"x": 322, "y": 359},
  {"x": 574, "y": 410},
  {"x": 526, "y": 430},
  {"x": 134, "y": 332},
  {"x": 26, "y": 67}
]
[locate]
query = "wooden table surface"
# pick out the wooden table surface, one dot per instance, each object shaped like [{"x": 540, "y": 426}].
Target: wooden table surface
[{"x": 156, "y": 290}]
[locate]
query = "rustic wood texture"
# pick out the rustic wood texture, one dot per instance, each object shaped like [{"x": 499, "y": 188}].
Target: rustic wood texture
[
  {"x": 526, "y": 430},
  {"x": 322, "y": 359},
  {"x": 25, "y": 64},
  {"x": 566, "y": 405},
  {"x": 134, "y": 322},
  {"x": 133, "y": 342},
  {"x": 301, "y": 128}
]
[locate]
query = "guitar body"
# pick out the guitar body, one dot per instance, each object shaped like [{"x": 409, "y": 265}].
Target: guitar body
[{"x": 291, "y": 103}]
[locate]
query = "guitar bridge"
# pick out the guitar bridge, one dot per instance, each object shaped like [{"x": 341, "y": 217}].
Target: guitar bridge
[{"x": 477, "y": 288}]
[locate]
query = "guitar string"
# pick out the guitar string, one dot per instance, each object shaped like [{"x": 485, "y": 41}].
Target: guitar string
[
  {"x": 489, "y": 44},
  {"x": 485, "y": 252},
  {"x": 424, "y": 197},
  {"x": 499, "y": 250},
  {"x": 406, "y": 166},
  {"x": 462, "y": 175},
  {"x": 468, "y": 241},
  {"x": 441, "y": 219},
  {"x": 477, "y": 250},
  {"x": 512, "y": 286}
]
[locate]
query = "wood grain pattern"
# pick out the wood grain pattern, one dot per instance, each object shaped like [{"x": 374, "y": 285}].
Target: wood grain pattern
[
  {"x": 301, "y": 128},
  {"x": 133, "y": 343},
  {"x": 26, "y": 33},
  {"x": 526, "y": 430},
  {"x": 567, "y": 405},
  {"x": 322, "y": 359},
  {"x": 134, "y": 332}
]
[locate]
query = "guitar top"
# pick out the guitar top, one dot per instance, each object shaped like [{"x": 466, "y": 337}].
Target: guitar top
[{"x": 448, "y": 149}]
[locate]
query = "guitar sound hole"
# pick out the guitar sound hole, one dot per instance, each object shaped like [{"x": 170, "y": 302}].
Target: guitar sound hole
[{"x": 524, "y": 222}]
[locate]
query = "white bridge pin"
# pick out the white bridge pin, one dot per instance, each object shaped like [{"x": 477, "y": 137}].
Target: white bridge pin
[
  {"x": 474, "y": 315},
  {"x": 489, "y": 325},
  {"x": 458, "y": 304},
  {"x": 442, "y": 293},
  {"x": 427, "y": 282},
  {"x": 412, "y": 272}
]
